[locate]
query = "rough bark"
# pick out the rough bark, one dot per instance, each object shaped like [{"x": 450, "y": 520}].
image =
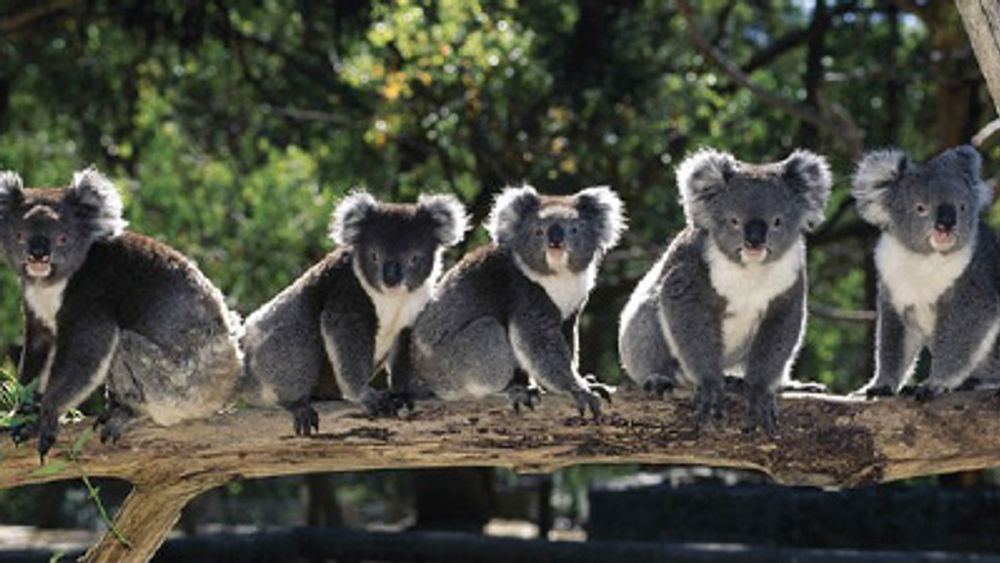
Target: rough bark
[
  {"x": 831, "y": 441},
  {"x": 981, "y": 19}
]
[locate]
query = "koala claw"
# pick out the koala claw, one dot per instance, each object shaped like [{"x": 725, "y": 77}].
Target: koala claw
[
  {"x": 595, "y": 386},
  {"x": 925, "y": 392},
  {"x": 305, "y": 420},
  {"x": 708, "y": 404},
  {"x": 526, "y": 395},
  {"x": 587, "y": 399},
  {"x": 23, "y": 432},
  {"x": 762, "y": 412},
  {"x": 658, "y": 385},
  {"x": 384, "y": 404}
]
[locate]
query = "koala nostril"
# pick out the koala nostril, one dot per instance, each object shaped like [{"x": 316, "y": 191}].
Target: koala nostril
[
  {"x": 39, "y": 247},
  {"x": 392, "y": 273},
  {"x": 557, "y": 236},
  {"x": 755, "y": 233},
  {"x": 946, "y": 217}
]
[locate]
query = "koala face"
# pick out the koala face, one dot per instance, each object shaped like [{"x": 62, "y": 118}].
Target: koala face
[
  {"x": 554, "y": 234},
  {"x": 46, "y": 233},
  {"x": 931, "y": 207},
  {"x": 754, "y": 212},
  {"x": 396, "y": 246}
]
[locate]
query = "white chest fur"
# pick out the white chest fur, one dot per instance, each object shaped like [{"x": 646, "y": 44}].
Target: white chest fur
[
  {"x": 916, "y": 281},
  {"x": 45, "y": 301},
  {"x": 567, "y": 289},
  {"x": 395, "y": 310},
  {"x": 748, "y": 289}
]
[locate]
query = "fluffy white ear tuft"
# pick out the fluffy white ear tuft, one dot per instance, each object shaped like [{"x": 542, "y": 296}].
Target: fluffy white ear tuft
[
  {"x": 11, "y": 191},
  {"x": 97, "y": 201},
  {"x": 809, "y": 176},
  {"x": 602, "y": 207},
  {"x": 973, "y": 164},
  {"x": 448, "y": 215},
  {"x": 508, "y": 208},
  {"x": 700, "y": 177},
  {"x": 349, "y": 217},
  {"x": 878, "y": 172}
]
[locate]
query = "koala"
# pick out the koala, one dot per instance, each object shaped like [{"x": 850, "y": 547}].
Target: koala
[
  {"x": 729, "y": 294},
  {"x": 506, "y": 315},
  {"x": 350, "y": 314},
  {"x": 938, "y": 270},
  {"x": 104, "y": 305}
]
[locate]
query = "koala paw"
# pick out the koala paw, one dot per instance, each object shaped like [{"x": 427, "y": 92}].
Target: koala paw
[
  {"x": 709, "y": 403},
  {"x": 523, "y": 395},
  {"x": 926, "y": 392},
  {"x": 970, "y": 384},
  {"x": 23, "y": 432},
  {"x": 595, "y": 386},
  {"x": 762, "y": 412},
  {"x": 658, "y": 385},
  {"x": 48, "y": 429},
  {"x": 875, "y": 391},
  {"x": 113, "y": 423},
  {"x": 733, "y": 384},
  {"x": 588, "y": 399},
  {"x": 305, "y": 420},
  {"x": 384, "y": 404}
]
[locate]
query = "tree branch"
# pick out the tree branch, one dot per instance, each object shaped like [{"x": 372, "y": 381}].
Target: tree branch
[
  {"x": 838, "y": 125},
  {"x": 11, "y": 24}
]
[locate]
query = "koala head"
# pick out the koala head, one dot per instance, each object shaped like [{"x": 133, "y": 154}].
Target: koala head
[
  {"x": 754, "y": 212},
  {"x": 930, "y": 207},
  {"x": 553, "y": 234},
  {"x": 396, "y": 246},
  {"x": 47, "y": 232}
]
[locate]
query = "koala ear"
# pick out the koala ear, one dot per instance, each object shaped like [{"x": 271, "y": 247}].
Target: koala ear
[
  {"x": 509, "y": 207},
  {"x": 808, "y": 174},
  {"x": 876, "y": 174},
  {"x": 349, "y": 216},
  {"x": 448, "y": 216},
  {"x": 972, "y": 165},
  {"x": 603, "y": 208},
  {"x": 700, "y": 178},
  {"x": 97, "y": 202},
  {"x": 11, "y": 192}
]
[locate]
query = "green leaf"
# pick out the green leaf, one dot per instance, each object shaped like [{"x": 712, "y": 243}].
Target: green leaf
[
  {"x": 51, "y": 468},
  {"x": 80, "y": 442}
]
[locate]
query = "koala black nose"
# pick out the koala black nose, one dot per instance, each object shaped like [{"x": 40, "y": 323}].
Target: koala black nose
[
  {"x": 946, "y": 217},
  {"x": 39, "y": 247},
  {"x": 557, "y": 236},
  {"x": 392, "y": 273},
  {"x": 755, "y": 233}
]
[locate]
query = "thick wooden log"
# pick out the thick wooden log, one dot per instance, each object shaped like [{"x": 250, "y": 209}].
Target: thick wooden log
[
  {"x": 981, "y": 19},
  {"x": 824, "y": 440}
]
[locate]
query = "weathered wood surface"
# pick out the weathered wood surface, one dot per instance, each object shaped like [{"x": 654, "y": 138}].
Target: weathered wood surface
[
  {"x": 981, "y": 19},
  {"x": 824, "y": 440}
]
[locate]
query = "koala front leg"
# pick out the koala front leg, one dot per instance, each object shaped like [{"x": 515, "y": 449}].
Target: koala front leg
[
  {"x": 771, "y": 355},
  {"x": 957, "y": 349},
  {"x": 84, "y": 351},
  {"x": 542, "y": 350},
  {"x": 349, "y": 339},
  {"x": 38, "y": 342},
  {"x": 897, "y": 346},
  {"x": 401, "y": 370},
  {"x": 693, "y": 327}
]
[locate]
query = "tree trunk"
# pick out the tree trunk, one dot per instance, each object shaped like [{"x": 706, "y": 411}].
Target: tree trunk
[{"x": 982, "y": 23}]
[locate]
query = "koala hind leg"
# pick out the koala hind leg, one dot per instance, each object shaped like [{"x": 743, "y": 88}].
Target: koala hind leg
[
  {"x": 475, "y": 361},
  {"x": 645, "y": 354}
]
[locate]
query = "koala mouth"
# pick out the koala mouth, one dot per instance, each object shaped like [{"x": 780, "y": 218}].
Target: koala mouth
[
  {"x": 943, "y": 240},
  {"x": 556, "y": 256},
  {"x": 753, "y": 254},
  {"x": 38, "y": 268}
]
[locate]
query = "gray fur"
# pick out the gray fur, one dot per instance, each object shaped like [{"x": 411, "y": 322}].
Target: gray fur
[
  {"x": 349, "y": 316},
  {"x": 513, "y": 307},
  {"x": 712, "y": 305},
  {"x": 102, "y": 305},
  {"x": 938, "y": 284}
]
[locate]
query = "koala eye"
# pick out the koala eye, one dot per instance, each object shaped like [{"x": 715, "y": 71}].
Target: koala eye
[
  {"x": 374, "y": 256},
  {"x": 62, "y": 239},
  {"x": 414, "y": 260},
  {"x": 921, "y": 209},
  {"x": 961, "y": 207},
  {"x": 539, "y": 232},
  {"x": 734, "y": 221},
  {"x": 20, "y": 236},
  {"x": 777, "y": 222},
  {"x": 573, "y": 230}
]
